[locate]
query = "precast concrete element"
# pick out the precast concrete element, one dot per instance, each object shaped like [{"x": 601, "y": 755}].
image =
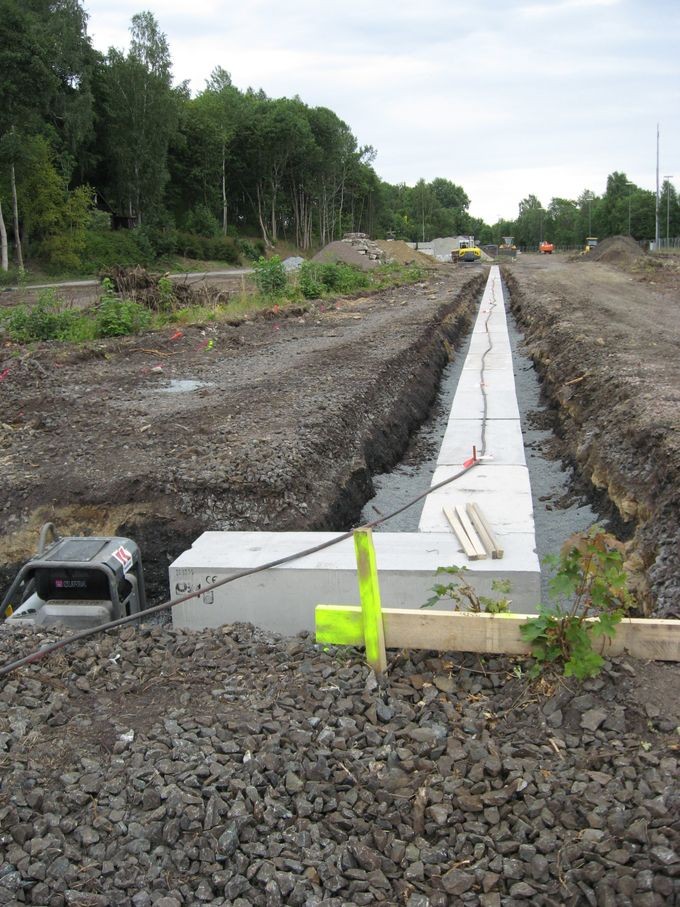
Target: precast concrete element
[{"x": 282, "y": 599}]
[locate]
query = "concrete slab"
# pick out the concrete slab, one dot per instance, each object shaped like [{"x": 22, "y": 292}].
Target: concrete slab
[
  {"x": 504, "y": 442},
  {"x": 501, "y": 398},
  {"x": 502, "y": 492}
]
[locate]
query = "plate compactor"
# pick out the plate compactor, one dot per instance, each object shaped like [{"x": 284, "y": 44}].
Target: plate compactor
[{"x": 79, "y": 582}]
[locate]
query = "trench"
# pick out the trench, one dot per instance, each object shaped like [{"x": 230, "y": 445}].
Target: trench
[{"x": 559, "y": 509}]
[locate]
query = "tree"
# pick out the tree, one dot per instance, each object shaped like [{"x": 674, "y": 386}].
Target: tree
[
  {"x": 26, "y": 84},
  {"x": 529, "y": 227},
  {"x": 141, "y": 111},
  {"x": 563, "y": 223}
]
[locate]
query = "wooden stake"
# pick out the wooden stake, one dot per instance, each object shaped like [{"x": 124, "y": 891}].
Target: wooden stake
[
  {"x": 369, "y": 593},
  {"x": 461, "y": 534}
]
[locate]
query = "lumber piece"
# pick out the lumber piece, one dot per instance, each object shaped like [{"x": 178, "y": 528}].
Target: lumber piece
[
  {"x": 462, "y": 536},
  {"x": 465, "y": 631},
  {"x": 471, "y": 533},
  {"x": 481, "y": 524}
]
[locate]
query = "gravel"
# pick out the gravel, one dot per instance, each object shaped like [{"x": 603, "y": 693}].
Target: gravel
[{"x": 155, "y": 766}]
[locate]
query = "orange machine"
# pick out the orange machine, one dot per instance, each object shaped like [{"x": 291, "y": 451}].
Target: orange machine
[{"x": 546, "y": 248}]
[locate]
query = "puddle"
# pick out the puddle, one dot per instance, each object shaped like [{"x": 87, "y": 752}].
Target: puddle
[{"x": 182, "y": 385}]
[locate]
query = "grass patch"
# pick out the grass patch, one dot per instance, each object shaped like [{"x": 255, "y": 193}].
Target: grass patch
[{"x": 122, "y": 314}]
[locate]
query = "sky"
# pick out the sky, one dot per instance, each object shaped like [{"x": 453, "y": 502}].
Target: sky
[{"x": 506, "y": 99}]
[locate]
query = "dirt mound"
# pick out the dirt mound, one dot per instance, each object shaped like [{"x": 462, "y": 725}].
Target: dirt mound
[
  {"x": 397, "y": 250},
  {"x": 618, "y": 250},
  {"x": 354, "y": 249}
]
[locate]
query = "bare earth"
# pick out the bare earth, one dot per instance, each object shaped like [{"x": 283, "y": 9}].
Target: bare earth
[{"x": 153, "y": 766}]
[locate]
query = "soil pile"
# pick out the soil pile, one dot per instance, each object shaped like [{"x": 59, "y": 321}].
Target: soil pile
[
  {"x": 354, "y": 249},
  {"x": 401, "y": 252},
  {"x": 618, "y": 250},
  {"x": 160, "y": 767},
  {"x": 605, "y": 346}
]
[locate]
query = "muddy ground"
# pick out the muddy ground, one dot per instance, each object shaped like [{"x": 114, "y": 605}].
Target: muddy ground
[
  {"x": 155, "y": 766},
  {"x": 276, "y": 422}
]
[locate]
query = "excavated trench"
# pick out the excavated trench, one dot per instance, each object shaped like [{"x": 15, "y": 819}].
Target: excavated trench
[{"x": 563, "y": 503}]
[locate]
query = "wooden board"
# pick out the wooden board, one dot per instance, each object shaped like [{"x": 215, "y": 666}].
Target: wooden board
[
  {"x": 484, "y": 530},
  {"x": 471, "y": 533},
  {"x": 472, "y": 552},
  {"x": 461, "y": 631}
]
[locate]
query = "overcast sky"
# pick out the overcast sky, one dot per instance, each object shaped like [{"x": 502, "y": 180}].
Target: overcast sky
[{"x": 503, "y": 98}]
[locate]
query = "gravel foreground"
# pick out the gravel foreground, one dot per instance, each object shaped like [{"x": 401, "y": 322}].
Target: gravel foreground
[{"x": 160, "y": 766}]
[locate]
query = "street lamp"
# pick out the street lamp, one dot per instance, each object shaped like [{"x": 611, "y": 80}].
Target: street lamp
[{"x": 668, "y": 209}]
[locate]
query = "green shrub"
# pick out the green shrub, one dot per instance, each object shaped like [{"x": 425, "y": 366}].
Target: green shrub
[
  {"x": 116, "y": 247},
  {"x": 48, "y": 319},
  {"x": 223, "y": 248},
  {"x": 310, "y": 280},
  {"x": 316, "y": 278},
  {"x": 590, "y": 582},
  {"x": 163, "y": 241},
  {"x": 118, "y": 317},
  {"x": 270, "y": 276},
  {"x": 60, "y": 254},
  {"x": 251, "y": 249}
]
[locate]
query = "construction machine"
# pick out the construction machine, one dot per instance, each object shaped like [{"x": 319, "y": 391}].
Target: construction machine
[
  {"x": 80, "y": 582},
  {"x": 508, "y": 247},
  {"x": 546, "y": 248},
  {"x": 591, "y": 242},
  {"x": 467, "y": 251}
]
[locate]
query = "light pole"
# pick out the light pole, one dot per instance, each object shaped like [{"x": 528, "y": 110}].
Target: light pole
[{"x": 668, "y": 209}]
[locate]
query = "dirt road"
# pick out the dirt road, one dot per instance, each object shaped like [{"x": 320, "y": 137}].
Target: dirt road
[{"x": 279, "y": 422}]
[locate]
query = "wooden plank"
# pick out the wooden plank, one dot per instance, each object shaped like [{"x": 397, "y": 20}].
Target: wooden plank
[
  {"x": 481, "y": 524},
  {"x": 369, "y": 593},
  {"x": 471, "y": 533},
  {"x": 461, "y": 534},
  {"x": 464, "y": 631}
]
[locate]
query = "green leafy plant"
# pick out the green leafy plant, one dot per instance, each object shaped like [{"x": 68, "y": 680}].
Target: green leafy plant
[
  {"x": 590, "y": 589},
  {"x": 118, "y": 317},
  {"x": 166, "y": 295},
  {"x": 47, "y": 319},
  {"x": 270, "y": 276},
  {"x": 465, "y": 596}
]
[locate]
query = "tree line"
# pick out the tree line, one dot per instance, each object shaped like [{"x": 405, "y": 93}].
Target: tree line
[{"x": 91, "y": 141}]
